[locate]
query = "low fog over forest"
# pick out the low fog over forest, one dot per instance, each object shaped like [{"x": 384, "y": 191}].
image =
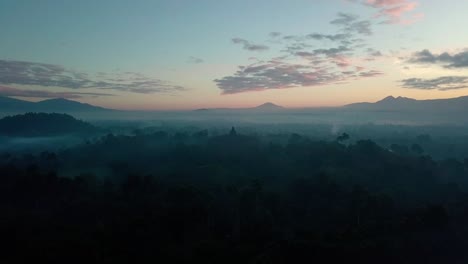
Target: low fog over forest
[{"x": 259, "y": 185}]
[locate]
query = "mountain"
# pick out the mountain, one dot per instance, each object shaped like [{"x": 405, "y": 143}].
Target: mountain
[
  {"x": 64, "y": 105},
  {"x": 11, "y": 105},
  {"x": 390, "y": 100},
  {"x": 268, "y": 107},
  {"x": 7, "y": 103},
  {"x": 391, "y": 103},
  {"x": 42, "y": 124}
]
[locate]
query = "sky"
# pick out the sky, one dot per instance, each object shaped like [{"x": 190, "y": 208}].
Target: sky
[{"x": 185, "y": 54}]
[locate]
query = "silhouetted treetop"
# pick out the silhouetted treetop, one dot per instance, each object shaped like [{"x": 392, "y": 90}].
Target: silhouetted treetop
[
  {"x": 233, "y": 132},
  {"x": 43, "y": 124}
]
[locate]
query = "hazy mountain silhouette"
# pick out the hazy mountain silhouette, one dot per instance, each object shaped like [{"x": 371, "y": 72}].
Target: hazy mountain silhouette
[
  {"x": 60, "y": 105},
  {"x": 64, "y": 105},
  {"x": 391, "y": 103},
  {"x": 11, "y": 104},
  {"x": 261, "y": 108},
  {"x": 268, "y": 106},
  {"x": 43, "y": 124},
  {"x": 390, "y": 100}
]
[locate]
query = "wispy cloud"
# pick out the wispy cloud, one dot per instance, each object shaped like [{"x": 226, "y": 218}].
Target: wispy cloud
[
  {"x": 442, "y": 83},
  {"x": 281, "y": 75},
  {"x": 274, "y": 75},
  {"x": 447, "y": 60},
  {"x": 247, "y": 45},
  {"x": 335, "y": 37},
  {"x": 9, "y": 91},
  {"x": 374, "y": 53},
  {"x": 49, "y": 75},
  {"x": 195, "y": 60},
  {"x": 274, "y": 34},
  {"x": 394, "y": 11},
  {"x": 351, "y": 23},
  {"x": 302, "y": 64},
  {"x": 371, "y": 73}
]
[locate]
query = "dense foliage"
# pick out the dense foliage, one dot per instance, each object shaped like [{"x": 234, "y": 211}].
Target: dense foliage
[
  {"x": 43, "y": 124},
  {"x": 189, "y": 198}
]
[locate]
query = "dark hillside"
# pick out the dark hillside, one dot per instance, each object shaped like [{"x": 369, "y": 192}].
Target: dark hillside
[{"x": 42, "y": 124}]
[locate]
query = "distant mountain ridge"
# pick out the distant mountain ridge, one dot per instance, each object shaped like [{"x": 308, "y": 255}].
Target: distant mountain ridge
[
  {"x": 266, "y": 107},
  {"x": 391, "y": 103},
  {"x": 7, "y": 103},
  {"x": 60, "y": 105},
  {"x": 391, "y": 99}
]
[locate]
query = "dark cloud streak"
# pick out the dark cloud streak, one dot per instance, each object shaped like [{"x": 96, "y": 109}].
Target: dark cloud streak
[
  {"x": 195, "y": 60},
  {"x": 281, "y": 75},
  {"x": 9, "y": 91},
  {"x": 351, "y": 23},
  {"x": 456, "y": 60},
  {"x": 247, "y": 45},
  {"x": 442, "y": 83},
  {"x": 49, "y": 75}
]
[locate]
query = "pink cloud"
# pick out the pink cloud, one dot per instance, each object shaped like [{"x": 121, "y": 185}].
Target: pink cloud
[
  {"x": 398, "y": 11},
  {"x": 342, "y": 61},
  {"x": 385, "y": 3},
  {"x": 395, "y": 11}
]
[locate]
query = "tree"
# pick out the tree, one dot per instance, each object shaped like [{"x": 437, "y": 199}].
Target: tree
[
  {"x": 417, "y": 149},
  {"x": 343, "y": 137},
  {"x": 399, "y": 149},
  {"x": 233, "y": 132},
  {"x": 201, "y": 134},
  {"x": 435, "y": 216}
]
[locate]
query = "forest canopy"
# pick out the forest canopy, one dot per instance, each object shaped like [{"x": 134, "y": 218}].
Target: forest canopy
[
  {"x": 232, "y": 198},
  {"x": 43, "y": 124}
]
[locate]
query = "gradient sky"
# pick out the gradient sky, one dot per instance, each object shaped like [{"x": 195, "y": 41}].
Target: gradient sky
[{"x": 185, "y": 54}]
